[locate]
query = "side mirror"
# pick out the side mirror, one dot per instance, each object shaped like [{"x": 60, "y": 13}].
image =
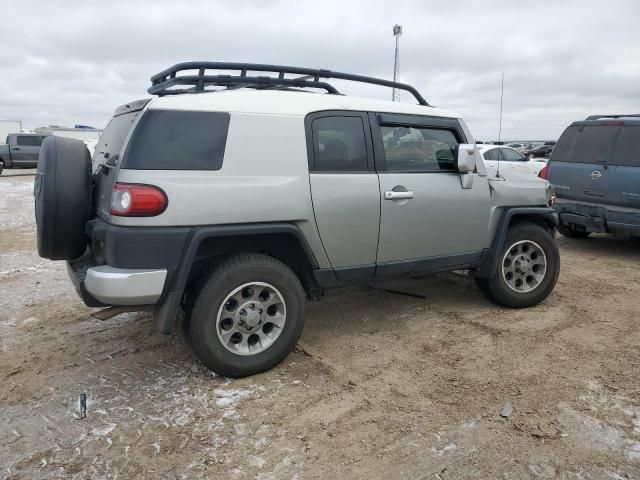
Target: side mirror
[{"x": 466, "y": 158}]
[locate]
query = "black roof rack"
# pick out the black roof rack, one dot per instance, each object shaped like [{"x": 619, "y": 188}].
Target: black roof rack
[
  {"x": 598, "y": 117},
  {"x": 162, "y": 82}
]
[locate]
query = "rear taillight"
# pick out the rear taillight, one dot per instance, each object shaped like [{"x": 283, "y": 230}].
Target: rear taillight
[
  {"x": 544, "y": 173},
  {"x": 135, "y": 200}
]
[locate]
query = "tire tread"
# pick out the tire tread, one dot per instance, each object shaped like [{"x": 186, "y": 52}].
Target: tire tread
[{"x": 211, "y": 280}]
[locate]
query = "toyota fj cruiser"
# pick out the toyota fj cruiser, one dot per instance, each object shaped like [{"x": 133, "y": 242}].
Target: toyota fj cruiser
[{"x": 237, "y": 204}]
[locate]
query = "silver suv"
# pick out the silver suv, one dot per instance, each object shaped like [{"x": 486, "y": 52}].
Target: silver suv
[{"x": 236, "y": 196}]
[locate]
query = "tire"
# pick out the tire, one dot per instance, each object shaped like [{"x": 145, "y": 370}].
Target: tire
[
  {"x": 217, "y": 313},
  {"x": 62, "y": 191},
  {"x": 523, "y": 240},
  {"x": 569, "y": 232}
]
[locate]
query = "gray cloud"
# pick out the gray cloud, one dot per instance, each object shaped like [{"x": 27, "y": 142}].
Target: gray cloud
[{"x": 74, "y": 62}]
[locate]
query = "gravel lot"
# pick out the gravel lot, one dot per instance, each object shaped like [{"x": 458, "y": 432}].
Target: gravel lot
[{"x": 380, "y": 386}]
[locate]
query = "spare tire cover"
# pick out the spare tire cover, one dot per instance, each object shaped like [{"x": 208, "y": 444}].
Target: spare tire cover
[{"x": 62, "y": 191}]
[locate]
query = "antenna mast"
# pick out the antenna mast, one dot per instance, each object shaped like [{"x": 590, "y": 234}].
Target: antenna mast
[
  {"x": 501, "y": 96},
  {"x": 397, "y": 31},
  {"x": 500, "y": 127}
]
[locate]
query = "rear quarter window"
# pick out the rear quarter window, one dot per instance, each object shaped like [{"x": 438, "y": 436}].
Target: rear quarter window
[{"x": 178, "y": 140}]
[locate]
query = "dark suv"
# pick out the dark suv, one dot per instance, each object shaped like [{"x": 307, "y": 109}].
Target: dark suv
[{"x": 595, "y": 169}]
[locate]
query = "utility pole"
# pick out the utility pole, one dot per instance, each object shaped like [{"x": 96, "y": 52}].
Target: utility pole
[{"x": 397, "y": 31}]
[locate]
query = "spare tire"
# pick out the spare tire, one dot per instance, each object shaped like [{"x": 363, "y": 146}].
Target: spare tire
[{"x": 62, "y": 191}]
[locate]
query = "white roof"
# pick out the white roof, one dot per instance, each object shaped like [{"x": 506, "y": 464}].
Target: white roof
[{"x": 285, "y": 103}]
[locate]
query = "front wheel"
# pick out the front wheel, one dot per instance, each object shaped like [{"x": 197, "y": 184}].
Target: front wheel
[
  {"x": 528, "y": 268},
  {"x": 247, "y": 316}
]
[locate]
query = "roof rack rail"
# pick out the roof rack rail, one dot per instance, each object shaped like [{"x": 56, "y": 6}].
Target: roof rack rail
[
  {"x": 162, "y": 82},
  {"x": 598, "y": 117}
]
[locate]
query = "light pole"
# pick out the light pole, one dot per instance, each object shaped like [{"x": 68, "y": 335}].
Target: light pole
[{"x": 397, "y": 31}]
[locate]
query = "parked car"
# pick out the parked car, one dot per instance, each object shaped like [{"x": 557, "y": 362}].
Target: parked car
[
  {"x": 330, "y": 190},
  {"x": 542, "y": 151},
  {"x": 510, "y": 160},
  {"x": 595, "y": 169},
  {"x": 20, "y": 151},
  {"x": 520, "y": 147},
  {"x": 532, "y": 146}
]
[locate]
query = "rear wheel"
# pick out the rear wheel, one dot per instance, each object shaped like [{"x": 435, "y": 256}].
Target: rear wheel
[
  {"x": 528, "y": 268},
  {"x": 247, "y": 316},
  {"x": 572, "y": 232}
]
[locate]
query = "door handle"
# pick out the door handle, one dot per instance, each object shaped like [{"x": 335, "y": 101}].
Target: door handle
[
  {"x": 391, "y": 195},
  {"x": 16, "y": 148}
]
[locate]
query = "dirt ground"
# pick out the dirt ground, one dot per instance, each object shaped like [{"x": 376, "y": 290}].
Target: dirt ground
[{"x": 380, "y": 385}]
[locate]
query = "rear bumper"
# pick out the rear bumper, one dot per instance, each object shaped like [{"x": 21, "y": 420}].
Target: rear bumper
[
  {"x": 119, "y": 286},
  {"x": 102, "y": 285},
  {"x": 598, "y": 218}
]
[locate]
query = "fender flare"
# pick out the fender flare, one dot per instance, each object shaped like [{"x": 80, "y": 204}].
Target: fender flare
[
  {"x": 488, "y": 264},
  {"x": 166, "y": 309}
]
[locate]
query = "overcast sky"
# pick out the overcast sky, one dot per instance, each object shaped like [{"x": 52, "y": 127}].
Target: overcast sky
[{"x": 69, "y": 63}]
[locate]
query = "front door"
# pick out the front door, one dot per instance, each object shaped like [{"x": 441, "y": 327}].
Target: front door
[{"x": 428, "y": 221}]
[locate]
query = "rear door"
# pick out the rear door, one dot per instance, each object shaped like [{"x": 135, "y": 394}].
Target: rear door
[
  {"x": 579, "y": 165},
  {"x": 106, "y": 155},
  {"x": 344, "y": 190},
  {"x": 428, "y": 221}
]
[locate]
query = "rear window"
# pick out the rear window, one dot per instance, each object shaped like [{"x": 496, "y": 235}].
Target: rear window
[
  {"x": 586, "y": 144},
  {"x": 626, "y": 150},
  {"x": 112, "y": 139},
  {"x": 178, "y": 140}
]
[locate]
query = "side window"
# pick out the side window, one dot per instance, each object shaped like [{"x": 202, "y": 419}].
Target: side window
[
  {"x": 339, "y": 144},
  {"x": 172, "y": 140},
  {"x": 27, "y": 141},
  {"x": 493, "y": 154},
  {"x": 419, "y": 149},
  {"x": 511, "y": 155}
]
